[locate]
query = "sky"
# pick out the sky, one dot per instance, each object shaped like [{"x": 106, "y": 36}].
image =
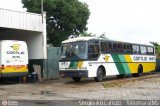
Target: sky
[
  {"x": 12, "y": 5},
  {"x": 123, "y": 20}
]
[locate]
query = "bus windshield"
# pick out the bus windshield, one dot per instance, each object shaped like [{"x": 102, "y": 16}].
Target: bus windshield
[{"x": 74, "y": 51}]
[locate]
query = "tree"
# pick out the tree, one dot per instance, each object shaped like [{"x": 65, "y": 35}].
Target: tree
[
  {"x": 157, "y": 48},
  {"x": 103, "y": 36},
  {"x": 155, "y": 44},
  {"x": 87, "y": 34},
  {"x": 64, "y": 17}
]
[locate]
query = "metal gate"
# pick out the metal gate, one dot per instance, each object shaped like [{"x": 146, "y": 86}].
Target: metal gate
[{"x": 52, "y": 63}]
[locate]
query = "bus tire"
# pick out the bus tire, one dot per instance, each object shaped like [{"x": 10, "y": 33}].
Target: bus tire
[
  {"x": 76, "y": 79},
  {"x": 139, "y": 71},
  {"x": 100, "y": 75},
  {"x": 120, "y": 76},
  {"x": 1, "y": 80}
]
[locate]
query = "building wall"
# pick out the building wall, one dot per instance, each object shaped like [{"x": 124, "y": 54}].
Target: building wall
[
  {"x": 21, "y": 20},
  {"x": 25, "y": 26},
  {"x": 33, "y": 39}
]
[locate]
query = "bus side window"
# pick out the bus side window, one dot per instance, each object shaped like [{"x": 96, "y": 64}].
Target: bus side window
[
  {"x": 127, "y": 48},
  {"x": 120, "y": 48},
  {"x": 103, "y": 47},
  {"x": 93, "y": 51},
  {"x": 136, "y": 49},
  {"x": 115, "y": 47},
  {"x": 150, "y": 50},
  {"x": 109, "y": 45},
  {"x": 143, "y": 49},
  {"x": 106, "y": 47}
]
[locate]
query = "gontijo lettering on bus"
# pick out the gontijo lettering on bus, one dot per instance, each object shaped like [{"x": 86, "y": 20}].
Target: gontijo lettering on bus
[
  {"x": 15, "y": 50},
  {"x": 142, "y": 58}
]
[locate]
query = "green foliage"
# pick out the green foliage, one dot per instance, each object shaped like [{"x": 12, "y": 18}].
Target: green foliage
[
  {"x": 64, "y": 17},
  {"x": 158, "y": 51},
  {"x": 87, "y": 34},
  {"x": 155, "y": 44},
  {"x": 103, "y": 36},
  {"x": 157, "y": 48}
]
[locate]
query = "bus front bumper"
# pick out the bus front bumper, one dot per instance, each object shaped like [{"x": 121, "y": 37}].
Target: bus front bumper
[
  {"x": 14, "y": 74},
  {"x": 73, "y": 73}
]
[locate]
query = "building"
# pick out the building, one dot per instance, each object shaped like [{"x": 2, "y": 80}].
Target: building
[{"x": 29, "y": 27}]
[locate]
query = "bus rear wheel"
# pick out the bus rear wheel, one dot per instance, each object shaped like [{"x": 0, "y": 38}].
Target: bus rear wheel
[
  {"x": 100, "y": 75},
  {"x": 1, "y": 80},
  {"x": 76, "y": 79},
  {"x": 139, "y": 71}
]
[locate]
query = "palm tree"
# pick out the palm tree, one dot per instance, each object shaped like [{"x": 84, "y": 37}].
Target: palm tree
[{"x": 157, "y": 48}]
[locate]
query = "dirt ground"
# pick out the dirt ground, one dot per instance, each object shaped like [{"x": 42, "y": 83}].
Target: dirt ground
[{"x": 146, "y": 87}]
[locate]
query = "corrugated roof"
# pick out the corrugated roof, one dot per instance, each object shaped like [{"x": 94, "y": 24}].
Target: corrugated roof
[{"x": 20, "y": 20}]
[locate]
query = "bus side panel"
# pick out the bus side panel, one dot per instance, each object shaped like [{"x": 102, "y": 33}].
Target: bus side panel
[
  {"x": 134, "y": 62},
  {"x": 109, "y": 65},
  {"x": 107, "y": 62},
  {"x": 132, "y": 66},
  {"x": 92, "y": 70},
  {"x": 116, "y": 64},
  {"x": 147, "y": 67}
]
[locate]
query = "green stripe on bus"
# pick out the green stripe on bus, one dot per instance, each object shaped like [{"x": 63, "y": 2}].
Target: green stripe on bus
[
  {"x": 125, "y": 65},
  {"x": 118, "y": 63},
  {"x": 73, "y": 64}
]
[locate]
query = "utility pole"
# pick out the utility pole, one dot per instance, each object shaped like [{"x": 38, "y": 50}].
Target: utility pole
[{"x": 42, "y": 10}]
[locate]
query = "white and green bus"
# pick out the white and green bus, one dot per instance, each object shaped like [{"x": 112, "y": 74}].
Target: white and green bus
[{"x": 98, "y": 58}]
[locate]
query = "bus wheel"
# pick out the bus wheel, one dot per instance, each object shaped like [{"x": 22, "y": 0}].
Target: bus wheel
[
  {"x": 100, "y": 75},
  {"x": 76, "y": 79},
  {"x": 139, "y": 71},
  {"x": 1, "y": 80},
  {"x": 120, "y": 76}
]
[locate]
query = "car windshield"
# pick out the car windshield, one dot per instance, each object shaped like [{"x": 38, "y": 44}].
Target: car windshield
[{"x": 74, "y": 51}]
